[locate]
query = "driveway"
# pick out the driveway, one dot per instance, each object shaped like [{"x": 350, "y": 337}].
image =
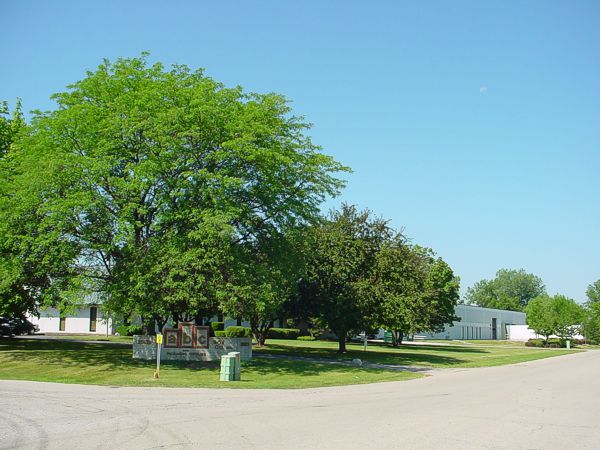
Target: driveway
[{"x": 545, "y": 404}]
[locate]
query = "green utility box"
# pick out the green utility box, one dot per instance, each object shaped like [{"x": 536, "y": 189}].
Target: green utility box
[
  {"x": 228, "y": 364},
  {"x": 237, "y": 376},
  {"x": 387, "y": 337}
]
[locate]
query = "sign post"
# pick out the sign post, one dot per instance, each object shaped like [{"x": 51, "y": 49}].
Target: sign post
[
  {"x": 159, "y": 340},
  {"x": 364, "y": 336}
]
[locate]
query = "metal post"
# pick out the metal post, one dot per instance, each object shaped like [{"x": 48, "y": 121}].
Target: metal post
[{"x": 158, "y": 347}]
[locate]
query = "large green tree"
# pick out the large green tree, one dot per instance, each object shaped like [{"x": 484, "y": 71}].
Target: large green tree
[
  {"x": 342, "y": 257},
  {"x": 144, "y": 181},
  {"x": 510, "y": 289}
]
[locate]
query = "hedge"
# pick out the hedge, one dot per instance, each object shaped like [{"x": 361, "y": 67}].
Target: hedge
[
  {"x": 217, "y": 326},
  {"x": 235, "y": 331},
  {"x": 552, "y": 343},
  {"x": 220, "y": 333},
  {"x": 129, "y": 330},
  {"x": 283, "y": 333},
  {"x": 306, "y": 338}
]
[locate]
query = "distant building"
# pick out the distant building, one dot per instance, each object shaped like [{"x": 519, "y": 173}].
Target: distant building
[
  {"x": 87, "y": 319},
  {"x": 479, "y": 323}
]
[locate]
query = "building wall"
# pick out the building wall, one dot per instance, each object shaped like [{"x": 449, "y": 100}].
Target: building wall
[
  {"x": 524, "y": 333},
  {"x": 476, "y": 323},
  {"x": 78, "y": 322}
]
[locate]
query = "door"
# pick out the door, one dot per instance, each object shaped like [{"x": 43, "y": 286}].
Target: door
[
  {"x": 93, "y": 318},
  {"x": 494, "y": 335}
]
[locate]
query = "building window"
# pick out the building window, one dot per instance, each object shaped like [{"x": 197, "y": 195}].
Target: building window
[
  {"x": 62, "y": 323},
  {"x": 93, "y": 318}
]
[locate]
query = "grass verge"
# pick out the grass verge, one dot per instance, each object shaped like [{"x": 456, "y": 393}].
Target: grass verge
[{"x": 86, "y": 363}]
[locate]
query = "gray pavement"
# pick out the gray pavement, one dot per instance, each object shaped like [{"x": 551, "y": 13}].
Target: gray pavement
[{"x": 547, "y": 404}]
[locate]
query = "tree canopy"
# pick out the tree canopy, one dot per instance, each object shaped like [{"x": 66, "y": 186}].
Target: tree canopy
[
  {"x": 362, "y": 275},
  {"x": 510, "y": 289},
  {"x": 144, "y": 184},
  {"x": 593, "y": 292},
  {"x": 557, "y": 315}
]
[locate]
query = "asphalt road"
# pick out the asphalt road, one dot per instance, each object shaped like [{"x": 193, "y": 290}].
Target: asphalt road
[{"x": 546, "y": 404}]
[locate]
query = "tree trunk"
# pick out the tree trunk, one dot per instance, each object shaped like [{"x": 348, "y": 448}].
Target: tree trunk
[
  {"x": 397, "y": 337},
  {"x": 342, "y": 344},
  {"x": 161, "y": 322},
  {"x": 144, "y": 325},
  {"x": 260, "y": 330}
]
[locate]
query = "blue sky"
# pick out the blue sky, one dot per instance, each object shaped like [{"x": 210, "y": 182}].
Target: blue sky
[{"x": 473, "y": 125}]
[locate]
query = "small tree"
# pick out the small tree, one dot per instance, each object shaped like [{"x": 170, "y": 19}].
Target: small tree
[
  {"x": 416, "y": 292},
  {"x": 557, "y": 315},
  {"x": 591, "y": 327},
  {"x": 569, "y": 316},
  {"x": 540, "y": 317}
]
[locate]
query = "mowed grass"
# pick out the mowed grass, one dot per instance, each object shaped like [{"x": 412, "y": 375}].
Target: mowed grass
[
  {"x": 86, "y": 363},
  {"x": 447, "y": 356}
]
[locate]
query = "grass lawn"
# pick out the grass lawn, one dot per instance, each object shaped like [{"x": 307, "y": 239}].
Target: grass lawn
[
  {"x": 414, "y": 355},
  {"x": 480, "y": 342},
  {"x": 87, "y": 363}
]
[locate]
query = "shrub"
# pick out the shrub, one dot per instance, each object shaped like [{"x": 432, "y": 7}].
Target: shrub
[
  {"x": 129, "y": 330},
  {"x": 235, "y": 331},
  {"x": 220, "y": 333},
  {"x": 534, "y": 343},
  {"x": 283, "y": 333},
  {"x": 306, "y": 338},
  {"x": 552, "y": 343},
  {"x": 217, "y": 326}
]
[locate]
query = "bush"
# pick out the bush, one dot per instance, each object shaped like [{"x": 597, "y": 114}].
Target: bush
[
  {"x": 552, "y": 343},
  {"x": 306, "y": 338},
  {"x": 283, "y": 333},
  {"x": 220, "y": 333},
  {"x": 129, "y": 330},
  {"x": 217, "y": 326},
  {"x": 235, "y": 331}
]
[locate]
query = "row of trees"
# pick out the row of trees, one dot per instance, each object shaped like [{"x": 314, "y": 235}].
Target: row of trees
[{"x": 166, "y": 195}]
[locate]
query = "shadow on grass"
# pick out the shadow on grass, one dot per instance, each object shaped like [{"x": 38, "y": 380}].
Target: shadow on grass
[
  {"x": 36, "y": 354},
  {"x": 61, "y": 353},
  {"x": 406, "y": 356}
]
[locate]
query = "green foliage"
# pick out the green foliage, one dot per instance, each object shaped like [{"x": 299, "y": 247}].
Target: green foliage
[
  {"x": 306, "y": 338},
  {"x": 217, "y": 326},
  {"x": 591, "y": 327},
  {"x": 149, "y": 184},
  {"x": 550, "y": 343},
  {"x": 235, "y": 331},
  {"x": 415, "y": 291},
  {"x": 593, "y": 292},
  {"x": 220, "y": 333},
  {"x": 283, "y": 333},
  {"x": 129, "y": 330},
  {"x": 511, "y": 289},
  {"x": 342, "y": 254},
  {"x": 557, "y": 315}
]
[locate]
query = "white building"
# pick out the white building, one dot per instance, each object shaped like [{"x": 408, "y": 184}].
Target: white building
[
  {"x": 87, "y": 319},
  {"x": 479, "y": 323}
]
